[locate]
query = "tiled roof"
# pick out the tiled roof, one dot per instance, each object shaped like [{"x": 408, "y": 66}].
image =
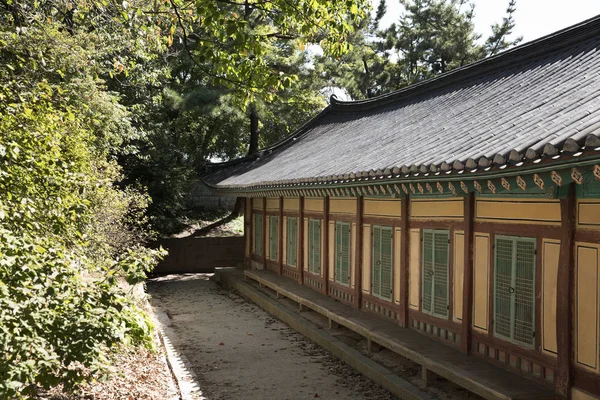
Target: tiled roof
[{"x": 539, "y": 100}]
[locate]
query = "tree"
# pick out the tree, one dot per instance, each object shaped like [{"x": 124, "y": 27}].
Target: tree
[
  {"x": 239, "y": 44},
  {"x": 431, "y": 37},
  {"x": 436, "y": 36},
  {"x": 237, "y": 37},
  {"x": 235, "y": 69},
  {"x": 69, "y": 231},
  {"x": 367, "y": 70}
]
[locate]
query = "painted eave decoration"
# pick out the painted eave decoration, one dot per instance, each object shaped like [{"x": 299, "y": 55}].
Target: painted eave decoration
[{"x": 525, "y": 121}]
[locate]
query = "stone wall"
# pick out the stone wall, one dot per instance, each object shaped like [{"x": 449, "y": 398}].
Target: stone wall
[
  {"x": 200, "y": 254},
  {"x": 201, "y": 196}
]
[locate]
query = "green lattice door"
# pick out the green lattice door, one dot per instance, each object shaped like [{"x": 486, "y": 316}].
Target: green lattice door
[
  {"x": 314, "y": 246},
  {"x": 292, "y": 241},
  {"x": 382, "y": 262},
  {"x": 258, "y": 234},
  {"x": 435, "y": 272},
  {"x": 342, "y": 249},
  {"x": 273, "y": 238},
  {"x": 514, "y": 289}
]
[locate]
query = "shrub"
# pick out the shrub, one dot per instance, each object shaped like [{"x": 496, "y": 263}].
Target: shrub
[{"x": 68, "y": 231}]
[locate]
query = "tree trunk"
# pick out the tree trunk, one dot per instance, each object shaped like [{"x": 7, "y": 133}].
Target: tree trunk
[
  {"x": 367, "y": 78},
  {"x": 253, "y": 148}
]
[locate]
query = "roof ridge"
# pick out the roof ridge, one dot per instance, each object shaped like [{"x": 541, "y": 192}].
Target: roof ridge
[{"x": 525, "y": 52}]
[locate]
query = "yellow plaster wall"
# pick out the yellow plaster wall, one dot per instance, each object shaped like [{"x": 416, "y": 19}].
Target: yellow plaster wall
[
  {"x": 459, "y": 268},
  {"x": 314, "y": 205},
  {"x": 342, "y": 206},
  {"x": 291, "y": 204},
  {"x": 481, "y": 272},
  {"x": 273, "y": 203},
  {"x": 523, "y": 211},
  {"x": 577, "y": 394},
  {"x": 396, "y": 264},
  {"x": 550, "y": 256},
  {"x": 586, "y": 305},
  {"x": 366, "y": 267},
  {"x": 305, "y": 244},
  {"x": 257, "y": 203},
  {"x": 353, "y": 256},
  {"x": 437, "y": 209},
  {"x": 588, "y": 214},
  {"x": 414, "y": 268},
  {"x": 382, "y": 208}
]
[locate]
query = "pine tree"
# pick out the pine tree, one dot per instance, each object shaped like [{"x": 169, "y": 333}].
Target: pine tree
[
  {"x": 367, "y": 70},
  {"x": 436, "y": 36},
  {"x": 431, "y": 37}
]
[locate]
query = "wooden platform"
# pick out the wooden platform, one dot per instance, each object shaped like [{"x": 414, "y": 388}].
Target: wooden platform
[{"x": 474, "y": 374}]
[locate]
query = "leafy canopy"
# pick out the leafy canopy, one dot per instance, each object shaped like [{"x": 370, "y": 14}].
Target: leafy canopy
[{"x": 68, "y": 232}]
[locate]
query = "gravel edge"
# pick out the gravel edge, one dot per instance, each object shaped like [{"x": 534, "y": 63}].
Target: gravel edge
[{"x": 188, "y": 385}]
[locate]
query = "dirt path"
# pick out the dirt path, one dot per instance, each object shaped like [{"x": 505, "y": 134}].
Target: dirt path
[{"x": 238, "y": 351}]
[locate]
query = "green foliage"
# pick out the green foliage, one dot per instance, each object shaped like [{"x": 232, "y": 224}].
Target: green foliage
[
  {"x": 436, "y": 36},
  {"x": 69, "y": 234},
  {"x": 431, "y": 37},
  {"x": 366, "y": 71},
  {"x": 232, "y": 42},
  {"x": 57, "y": 317},
  {"x": 218, "y": 77}
]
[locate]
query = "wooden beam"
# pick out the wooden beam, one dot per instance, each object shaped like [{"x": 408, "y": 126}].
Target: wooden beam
[
  {"x": 301, "y": 255},
  {"x": 565, "y": 293},
  {"x": 467, "y": 311},
  {"x": 326, "y": 246},
  {"x": 280, "y": 233},
  {"x": 358, "y": 254},
  {"x": 404, "y": 260}
]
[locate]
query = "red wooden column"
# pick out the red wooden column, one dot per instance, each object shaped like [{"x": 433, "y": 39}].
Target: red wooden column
[
  {"x": 264, "y": 236},
  {"x": 404, "y": 259},
  {"x": 280, "y": 239},
  {"x": 467, "y": 311},
  {"x": 565, "y": 293},
  {"x": 358, "y": 252},
  {"x": 300, "y": 241},
  {"x": 326, "y": 246}
]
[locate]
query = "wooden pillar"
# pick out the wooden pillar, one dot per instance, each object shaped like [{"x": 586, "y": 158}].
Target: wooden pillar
[
  {"x": 565, "y": 293},
  {"x": 404, "y": 260},
  {"x": 326, "y": 248},
  {"x": 300, "y": 241},
  {"x": 265, "y": 230},
  {"x": 280, "y": 237},
  {"x": 358, "y": 254},
  {"x": 467, "y": 311}
]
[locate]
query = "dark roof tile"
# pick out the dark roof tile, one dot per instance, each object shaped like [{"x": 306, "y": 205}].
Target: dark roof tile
[{"x": 535, "y": 100}]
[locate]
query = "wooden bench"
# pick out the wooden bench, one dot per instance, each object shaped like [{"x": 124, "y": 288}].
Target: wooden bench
[{"x": 474, "y": 374}]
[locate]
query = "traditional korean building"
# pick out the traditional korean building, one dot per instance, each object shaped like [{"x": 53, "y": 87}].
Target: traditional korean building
[{"x": 466, "y": 207}]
